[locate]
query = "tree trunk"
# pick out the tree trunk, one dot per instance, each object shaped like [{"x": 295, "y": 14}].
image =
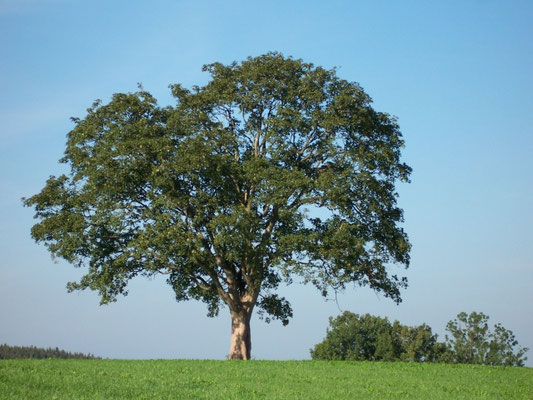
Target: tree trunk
[{"x": 241, "y": 343}]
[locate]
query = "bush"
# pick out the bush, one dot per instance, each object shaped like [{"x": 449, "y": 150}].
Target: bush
[
  {"x": 366, "y": 337},
  {"x": 472, "y": 342}
]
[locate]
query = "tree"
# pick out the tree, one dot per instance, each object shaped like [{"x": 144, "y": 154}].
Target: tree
[
  {"x": 472, "y": 342},
  {"x": 274, "y": 169},
  {"x": 418, "y": 343},
  {"x": 12, "y": 352},
  {"x": 370, "y": 338},
  {"x": 357, "y": 338}
]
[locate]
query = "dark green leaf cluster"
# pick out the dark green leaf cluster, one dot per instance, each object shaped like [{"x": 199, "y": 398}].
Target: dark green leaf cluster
[
  {"x": 11, "y": 352},
  {"x": 471, "y": 341},
  {"x": 275, "y": 168},
  {"x": 366, "y": 337}
]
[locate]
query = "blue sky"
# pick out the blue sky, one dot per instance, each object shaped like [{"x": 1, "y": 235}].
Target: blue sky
[{"x": 457, "y": 74}]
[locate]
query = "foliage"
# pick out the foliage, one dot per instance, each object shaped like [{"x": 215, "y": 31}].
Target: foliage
[
  {"x": 202, "y": 379},
  {"x": 418, "y": 344},
  {"x": 367, "y": 337},
  {"x": 472, "y": 342},
  {"x": 274, "y": 169},
  {"x": 12, "y": 352}
]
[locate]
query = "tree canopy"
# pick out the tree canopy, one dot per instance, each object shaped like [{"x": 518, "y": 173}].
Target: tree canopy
[
  {"x": 370, "y": 338},
  {"x": 275, "y": 169},
  {"x": 471, "y": 341}
]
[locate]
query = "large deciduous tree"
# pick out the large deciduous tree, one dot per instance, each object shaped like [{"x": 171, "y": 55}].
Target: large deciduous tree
[{"x": 274, "y": 169}]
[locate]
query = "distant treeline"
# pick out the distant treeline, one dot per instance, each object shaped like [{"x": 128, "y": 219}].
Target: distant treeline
[{"x": 10, "y": 352}]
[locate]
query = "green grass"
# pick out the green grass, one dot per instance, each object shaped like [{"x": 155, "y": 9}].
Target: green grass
[{"x": 189, "y": 379}]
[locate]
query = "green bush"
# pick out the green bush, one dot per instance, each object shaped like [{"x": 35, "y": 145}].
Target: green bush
[
  {"x": 472, "y": 342},
  {"x": 366, "y": 337}
]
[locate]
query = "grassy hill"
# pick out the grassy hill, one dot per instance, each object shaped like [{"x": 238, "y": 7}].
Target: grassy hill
[{"x": 190, "y": 379}]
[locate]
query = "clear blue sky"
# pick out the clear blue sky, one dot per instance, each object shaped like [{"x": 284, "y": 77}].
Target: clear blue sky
[{"x": 457, "y": 74}]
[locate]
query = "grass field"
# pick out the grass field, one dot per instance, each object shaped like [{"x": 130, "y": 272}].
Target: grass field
[{"x": 189, "y": 379}]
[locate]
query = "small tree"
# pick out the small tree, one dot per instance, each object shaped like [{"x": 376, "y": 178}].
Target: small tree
[
  {"x": 418, "y": 343},
  {"x": 367, "y": 337},
  {"x": 215, "y": 191},
  {"x": 472, "y": 342}
]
